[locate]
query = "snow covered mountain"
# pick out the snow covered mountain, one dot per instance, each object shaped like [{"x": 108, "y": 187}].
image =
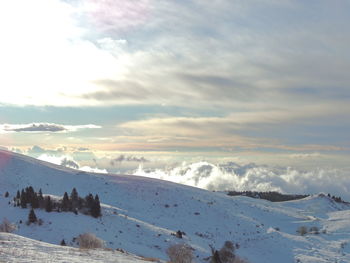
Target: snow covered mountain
[{"x": 141, "y": 215}]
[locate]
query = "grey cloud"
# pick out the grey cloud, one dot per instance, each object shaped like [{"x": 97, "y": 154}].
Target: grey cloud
[
  {"x": 37, "y": 150},
  {"x": 255, "y": 56},
  {"x": 83, "y": 149},
  {"x": 44, "y": 127},
  {"x": 122, "y": 90},
  {"x": 69, "y": 163},
  {"x": 122, "y": 158},
  {"x": 39, "y": 128}
]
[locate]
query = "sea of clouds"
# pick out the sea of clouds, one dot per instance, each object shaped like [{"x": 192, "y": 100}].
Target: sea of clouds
[{"x": 232, "y": 176}]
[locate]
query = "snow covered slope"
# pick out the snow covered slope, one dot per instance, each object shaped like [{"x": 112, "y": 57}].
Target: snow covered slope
[
  {"x": 14, "y": 248},
  {"x": 140, "y": 215}
]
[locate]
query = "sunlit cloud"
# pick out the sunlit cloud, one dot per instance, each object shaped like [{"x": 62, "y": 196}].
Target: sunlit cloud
[
  {"x": 110, "y": 16},
  {"x": 251, "y": 177},
  {"x": 172, "y": 76}
]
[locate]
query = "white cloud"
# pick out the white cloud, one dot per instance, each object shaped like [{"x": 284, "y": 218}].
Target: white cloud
[
  {"x": 93, "y": 169},
  {"x": 68, "y": 161},
  {"x": 232, "y": 176}
]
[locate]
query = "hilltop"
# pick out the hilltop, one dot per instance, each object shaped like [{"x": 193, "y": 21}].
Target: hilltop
[{"x": 141, "y": 215}]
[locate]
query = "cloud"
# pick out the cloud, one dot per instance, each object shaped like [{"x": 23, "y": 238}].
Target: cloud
[
  {"x": 93, "y": 170},
  {"x": 83, "y": 149},
  {"x": 36, "y": 151},
  {"x": 44, "y": 127},
  {"x": 122, "y": 158},
  {"x": 104, "y": 14},
  {"x": 252, "y": 177},
  {"x": 305, "y": 155},
  {"x": 37, "y": 128},
  {"x": 261, "y": 53},
  {"x": 68, "y": 161},
  {"x": 247, "y": 130}
]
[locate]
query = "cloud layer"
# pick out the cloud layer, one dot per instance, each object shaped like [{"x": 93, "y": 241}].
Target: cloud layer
[
  {"x": 263, "y": 53},
  {"x": 231, "y": 176}
]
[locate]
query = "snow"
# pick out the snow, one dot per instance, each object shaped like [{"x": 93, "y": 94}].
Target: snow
[
  {"x": 140, "y": 214},
  {"x": 14, "y": 248}
]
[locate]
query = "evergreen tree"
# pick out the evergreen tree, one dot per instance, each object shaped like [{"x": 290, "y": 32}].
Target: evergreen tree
[
  {"x": 96, "y": 207},
  {"x": 18, "y": 195},
  {"x": 89, "y": 200},
  {"x": 48, "y": 204},
  {"x": 63, "y": 243},
  {"x": 29, "y": 194},
  {"x": 65, "y": 202},
  {"x": 74, "y": 198},
  {"x": 7, "y": 194},
  {"x": 32, "y": 217},
  {"x": 35, "y": 201},
  {"x": 74, "y": 195},
  {"x": 23, "y": 199},
  {"x": 41, "y": 199},
  {"x": 40, "y": 194}
]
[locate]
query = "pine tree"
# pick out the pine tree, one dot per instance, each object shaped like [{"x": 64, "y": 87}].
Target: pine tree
[
  {"x": 63, "y": 243},
  {"x": 48, "y": 204},
  {"x": 41, "y": 199},
  {"x": 32, "y": 217},
  {"x": 18, "y": 195},
  {"x": 7, "y": 194},
  {"x": 23, "y": 199},
  {"x": 65, "y": 202},
  {"x": 96, "y": 207},
  {"x": 74, "y": 197},
  {"x": 89, "y": 200},
  {"x": 40, "y": 194},
  {"x": 35, "y": 201}
]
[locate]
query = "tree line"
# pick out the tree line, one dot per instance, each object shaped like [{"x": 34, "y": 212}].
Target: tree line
[{"x": 90, "y": 205}]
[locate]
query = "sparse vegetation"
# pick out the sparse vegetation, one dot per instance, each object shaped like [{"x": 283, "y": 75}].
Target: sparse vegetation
[
  {"x": 302, "y": 230},
  {"x": 179, "y": 234},
  {"x": 90, "y": 241},
  {"x": 180, "y": 253},
  {"x": 63, "y": 243},
  {"x": 314, "y": 230},
  {"x": 226, "y": 254},
  {"x": 7, "y": 227},
  {"x": 270, "y": 196},
  {"x": 32, "y": 217}
]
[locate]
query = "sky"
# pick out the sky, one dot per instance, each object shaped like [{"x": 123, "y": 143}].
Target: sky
[{"x": 111, "y": 84}]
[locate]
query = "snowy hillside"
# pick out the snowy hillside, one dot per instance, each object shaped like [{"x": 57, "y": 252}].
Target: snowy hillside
[
  {"x": 14, "y": 248},
  {"x": 140, "y": 215}
]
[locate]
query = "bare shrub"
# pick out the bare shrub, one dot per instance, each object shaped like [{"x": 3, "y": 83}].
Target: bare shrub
[
  {"x": 89, "y": 241},
  {"x": 302, "y": 230},
  {"x": 180, "y": 253},
  {"x": 226, "y": 254},
  {"x": 7, "y": 226}
]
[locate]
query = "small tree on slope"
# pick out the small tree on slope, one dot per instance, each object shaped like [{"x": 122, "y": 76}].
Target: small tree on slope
[{"x": 32, "y": 217}]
